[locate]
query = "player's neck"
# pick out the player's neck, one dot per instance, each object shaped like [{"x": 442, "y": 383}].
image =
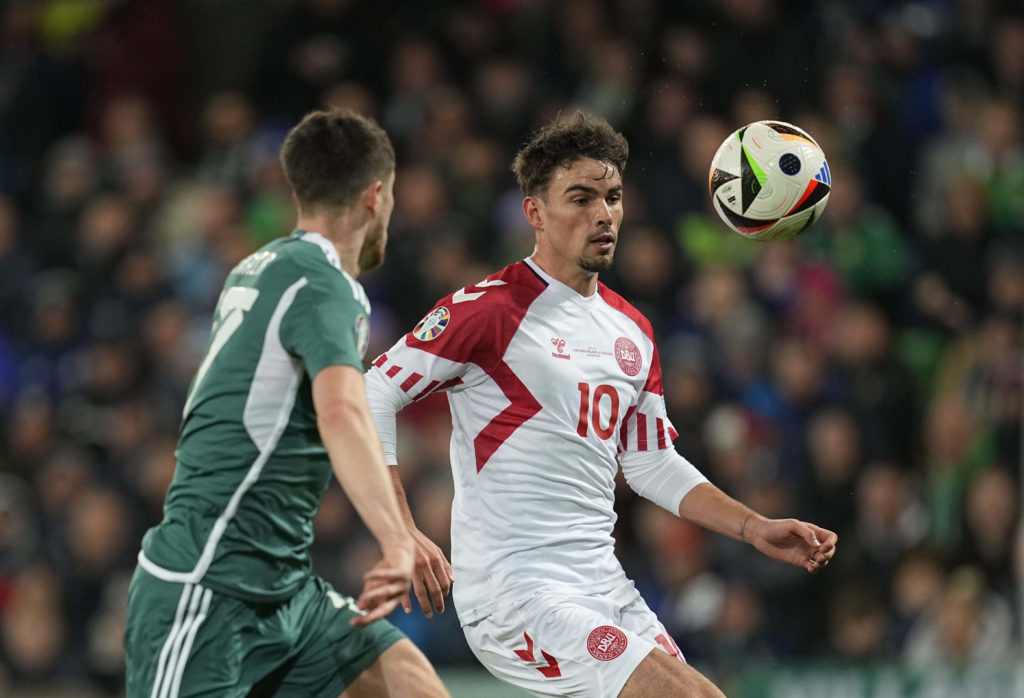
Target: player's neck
[
  {"x": 340, "y": 233},
  {"x": 580, "y": 280}
]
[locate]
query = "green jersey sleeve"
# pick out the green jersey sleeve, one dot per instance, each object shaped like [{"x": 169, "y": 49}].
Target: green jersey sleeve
[{"x": 328, "y": 323}]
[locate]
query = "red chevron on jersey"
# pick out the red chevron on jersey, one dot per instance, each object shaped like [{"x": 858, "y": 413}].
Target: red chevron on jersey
[
  {"x": 481, "y": 322},
  {"x": 523, "y": 405}
]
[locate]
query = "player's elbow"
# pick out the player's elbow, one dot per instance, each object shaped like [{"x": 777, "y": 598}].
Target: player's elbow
[
  {"x": 340, "y": 414},
  {"x": 664, "y": 477}
]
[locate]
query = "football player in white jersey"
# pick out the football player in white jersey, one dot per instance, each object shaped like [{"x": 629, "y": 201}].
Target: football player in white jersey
[{"x": 554, "y": 384}]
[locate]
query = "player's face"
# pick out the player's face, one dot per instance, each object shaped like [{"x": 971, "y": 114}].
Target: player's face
[
  {"x": 372, "y": 253},
  {"x": 581, "y": 214}
]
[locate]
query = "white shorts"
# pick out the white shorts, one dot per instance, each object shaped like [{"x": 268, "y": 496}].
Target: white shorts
[{"x": 564, "y": 645}]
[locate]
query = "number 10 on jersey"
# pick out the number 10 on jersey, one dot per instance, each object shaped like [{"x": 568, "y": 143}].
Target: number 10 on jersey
[{"x": 591, "y": 406}]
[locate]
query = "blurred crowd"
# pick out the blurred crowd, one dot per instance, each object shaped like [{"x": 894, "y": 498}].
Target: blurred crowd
[{"x": 865, "y": 376}]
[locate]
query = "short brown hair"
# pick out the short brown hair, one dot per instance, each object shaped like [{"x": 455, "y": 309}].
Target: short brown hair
[
  {"x": 561, "y": 143},
  {"x": 331, "y": 156}
]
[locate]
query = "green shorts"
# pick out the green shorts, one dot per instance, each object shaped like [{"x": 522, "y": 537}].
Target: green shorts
[{"x": 187, "y": 640}]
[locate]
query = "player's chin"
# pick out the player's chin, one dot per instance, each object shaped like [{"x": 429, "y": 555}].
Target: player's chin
[
  {"x": 598, "y": 262},
  {"x": 371, "y": 259},
  {"x": 371, "y": 255}
]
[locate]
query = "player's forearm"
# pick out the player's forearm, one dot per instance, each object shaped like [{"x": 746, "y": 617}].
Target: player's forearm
[
  {"x": 708, "y": 506},
  {"x": 403, "y": 502},
  {"x": 358, "y": 464},
  {"x": 385, "y": 402}
]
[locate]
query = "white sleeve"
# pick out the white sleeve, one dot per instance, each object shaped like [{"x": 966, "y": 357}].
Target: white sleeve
[
  {"x": 402, "y": 375},
  {"x": 662, "y": 476},
  {"x": 386, "y": 400}
]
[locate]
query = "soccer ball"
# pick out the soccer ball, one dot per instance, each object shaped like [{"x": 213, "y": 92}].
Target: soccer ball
[{"x": 769, "y": 181}]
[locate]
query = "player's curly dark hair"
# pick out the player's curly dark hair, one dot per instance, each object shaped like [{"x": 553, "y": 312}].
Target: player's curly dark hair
[
  {"x": 561, "y": 143},
  {"x": 331, "y": 156}
]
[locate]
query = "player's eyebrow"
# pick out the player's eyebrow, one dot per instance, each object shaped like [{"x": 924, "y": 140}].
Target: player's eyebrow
[{"x": 591, "y": 190}]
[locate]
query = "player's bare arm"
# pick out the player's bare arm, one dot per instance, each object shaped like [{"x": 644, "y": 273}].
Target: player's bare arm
[
  {"x": 432, "y": 575},
  {"x": 788, "y": 540},
  {"x": 348, "y": 433}
]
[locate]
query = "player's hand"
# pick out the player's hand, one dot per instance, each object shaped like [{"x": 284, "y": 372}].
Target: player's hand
[
  {"x": 386, "y": 584},
  {"x": 432, "y": 578},
  {"x": 796, "y": 542}
]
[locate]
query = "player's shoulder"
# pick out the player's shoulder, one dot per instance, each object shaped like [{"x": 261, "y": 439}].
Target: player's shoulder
[
  {"x": 480, "y": 316},
  {"x": 506, "y": 291},
  {"x": 621, "y": 305},
  {"x": 310, "y": 257},
  {"x": 309, "y": 252}
]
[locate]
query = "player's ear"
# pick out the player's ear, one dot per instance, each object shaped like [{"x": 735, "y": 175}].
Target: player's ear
[
  {"x": 372, "y": 196},
  {"x": 532, "y": 210}
]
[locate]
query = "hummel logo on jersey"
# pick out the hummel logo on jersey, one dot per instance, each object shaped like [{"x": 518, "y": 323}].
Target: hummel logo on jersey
[{"x": 559, "y": 352}]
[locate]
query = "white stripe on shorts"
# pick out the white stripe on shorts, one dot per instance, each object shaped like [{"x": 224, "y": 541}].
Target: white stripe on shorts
[
  {"x": 169, "y": 642},
  {"x": 174, "y": 654},
  {"x": 189, "y": 639}
]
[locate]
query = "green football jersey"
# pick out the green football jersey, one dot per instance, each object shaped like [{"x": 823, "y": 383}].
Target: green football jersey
[{"x": 251, "y": 468}]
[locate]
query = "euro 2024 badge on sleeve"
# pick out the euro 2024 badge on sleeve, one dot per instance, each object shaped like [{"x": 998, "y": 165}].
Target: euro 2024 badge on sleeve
[{"x": 431, "y": 326}]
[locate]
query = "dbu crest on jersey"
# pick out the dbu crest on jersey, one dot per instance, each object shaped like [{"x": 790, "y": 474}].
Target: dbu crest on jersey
[
  {"x": 432, "y": 325},
  {"x": 628, "y": 356},
  {"x": 362, "y": 334}
]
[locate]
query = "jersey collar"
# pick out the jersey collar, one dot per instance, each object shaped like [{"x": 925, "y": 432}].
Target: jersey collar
[
  {"x": 561, "y": 290},
  {"x": 323, "y": 243}
]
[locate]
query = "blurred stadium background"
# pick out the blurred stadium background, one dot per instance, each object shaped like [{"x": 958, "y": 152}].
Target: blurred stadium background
[{"x": 866, "y": 376}]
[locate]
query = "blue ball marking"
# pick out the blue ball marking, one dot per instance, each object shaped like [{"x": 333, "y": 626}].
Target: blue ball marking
[{"x": 789, "y": 164}]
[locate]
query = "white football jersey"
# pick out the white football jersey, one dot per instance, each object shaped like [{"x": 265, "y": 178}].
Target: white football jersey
[{"x": 546, "y": 388}]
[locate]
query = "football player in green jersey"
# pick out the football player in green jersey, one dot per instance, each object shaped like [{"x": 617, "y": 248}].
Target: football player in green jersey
[{"x": 224, "y": 601}]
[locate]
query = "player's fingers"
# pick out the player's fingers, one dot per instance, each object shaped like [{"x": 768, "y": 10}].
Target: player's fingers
[
  {"x": 816, "y": 563},
  {"x": 827, "y": 537},
  {"x": 443, "y": 571},
  {"x": 423, "y": 596},
  {"x": 375, "y": 612},
  {"x": 807, "y": 533},
  {"x": 407, "y": 603},
  {"x": 827, "y": 547},
  {"x": 381, "y": 610},
  {"x": 383, "y": 593},
  {"x": 435, "y": 590},
  {"x": 442, "y": 574}
]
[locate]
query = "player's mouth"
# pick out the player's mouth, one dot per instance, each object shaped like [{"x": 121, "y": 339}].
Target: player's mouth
[{"x": 604, "y": 242}]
